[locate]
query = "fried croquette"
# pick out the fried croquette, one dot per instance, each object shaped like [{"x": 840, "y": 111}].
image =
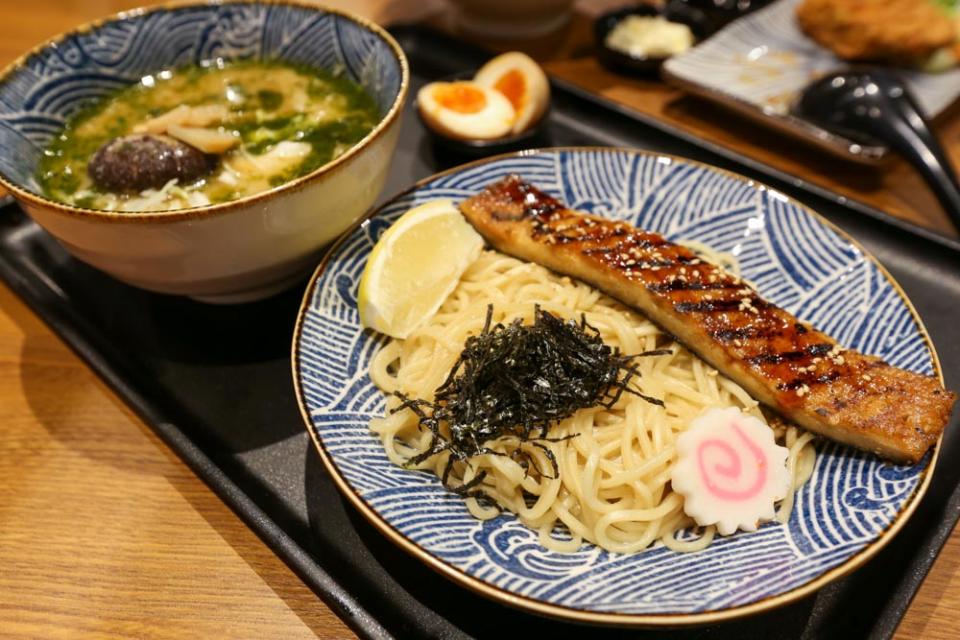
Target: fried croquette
[{"x": 905, "y": 32}]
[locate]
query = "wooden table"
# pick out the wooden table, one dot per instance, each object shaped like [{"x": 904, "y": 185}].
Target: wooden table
[{"x": 105, "y": 533}]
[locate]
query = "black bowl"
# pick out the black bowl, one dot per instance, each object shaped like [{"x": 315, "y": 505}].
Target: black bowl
[
  {"x": 622, "y": 62},
  {"x": 533, "y": 136},
  {"x": 719, "y": 13}
]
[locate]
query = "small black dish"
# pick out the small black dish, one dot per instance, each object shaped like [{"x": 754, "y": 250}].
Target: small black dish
[
  {"x": 533, "y": 137},
  {"x": 719, "y": 13},
  {"x": 622, "y": 62}
]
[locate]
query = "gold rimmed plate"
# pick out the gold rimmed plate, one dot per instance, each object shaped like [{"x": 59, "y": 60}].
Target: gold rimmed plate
[{"x": 850, "y": 508}]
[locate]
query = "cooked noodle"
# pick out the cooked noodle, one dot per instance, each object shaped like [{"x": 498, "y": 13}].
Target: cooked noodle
[{"x": 613, "y": 488}]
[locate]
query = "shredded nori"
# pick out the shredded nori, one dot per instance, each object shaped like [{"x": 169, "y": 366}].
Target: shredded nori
[{"x": 519, "y": 380}]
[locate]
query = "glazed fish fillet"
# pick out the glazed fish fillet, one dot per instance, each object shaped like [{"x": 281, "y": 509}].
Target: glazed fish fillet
[{"x": 784, "y": 363}]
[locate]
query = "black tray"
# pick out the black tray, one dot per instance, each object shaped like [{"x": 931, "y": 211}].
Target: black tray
[{"x": 225, "y": 404}]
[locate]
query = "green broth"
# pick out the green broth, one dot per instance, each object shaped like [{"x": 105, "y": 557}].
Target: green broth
[{"x": 275, "y": 109}]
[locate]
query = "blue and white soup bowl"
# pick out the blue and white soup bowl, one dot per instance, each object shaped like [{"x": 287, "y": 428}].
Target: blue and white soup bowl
[{"x": 230, "y": 252}]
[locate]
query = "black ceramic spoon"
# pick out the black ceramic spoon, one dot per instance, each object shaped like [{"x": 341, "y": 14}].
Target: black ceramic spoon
[{"x": 875, "y": 105}]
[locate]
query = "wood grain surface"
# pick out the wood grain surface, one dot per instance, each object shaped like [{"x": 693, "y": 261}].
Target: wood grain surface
[{"x": 104, "y": 533}]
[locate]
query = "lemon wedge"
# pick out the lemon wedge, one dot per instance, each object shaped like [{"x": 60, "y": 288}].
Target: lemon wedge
[{"x": 414, "y": 266}]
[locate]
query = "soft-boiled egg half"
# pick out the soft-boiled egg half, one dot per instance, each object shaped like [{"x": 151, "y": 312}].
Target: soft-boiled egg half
[
  {"x": 522, "y": 81},
  {"x": 465, "y": 110}
]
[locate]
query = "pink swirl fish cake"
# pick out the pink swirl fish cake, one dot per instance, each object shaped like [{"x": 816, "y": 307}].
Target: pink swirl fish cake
[{"x": 730, "y": 470}]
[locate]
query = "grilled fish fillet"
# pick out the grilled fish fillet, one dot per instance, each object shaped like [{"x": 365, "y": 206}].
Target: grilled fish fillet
[{"x": 784, "y": 363}]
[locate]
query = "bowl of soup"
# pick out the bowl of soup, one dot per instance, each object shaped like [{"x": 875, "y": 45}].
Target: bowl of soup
[{"x": 209, "y": 150}]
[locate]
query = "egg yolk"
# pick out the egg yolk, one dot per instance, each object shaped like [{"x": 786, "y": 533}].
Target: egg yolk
[
  {"x": 513, "y": 86},
  {"x": 460, "y": 97}
]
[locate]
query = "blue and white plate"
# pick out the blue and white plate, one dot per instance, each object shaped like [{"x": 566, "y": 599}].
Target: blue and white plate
[{"x": 852, "y": 505}]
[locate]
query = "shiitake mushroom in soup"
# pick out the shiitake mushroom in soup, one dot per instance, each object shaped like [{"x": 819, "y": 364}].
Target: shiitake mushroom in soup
[{"x": 205, "y": 134}]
